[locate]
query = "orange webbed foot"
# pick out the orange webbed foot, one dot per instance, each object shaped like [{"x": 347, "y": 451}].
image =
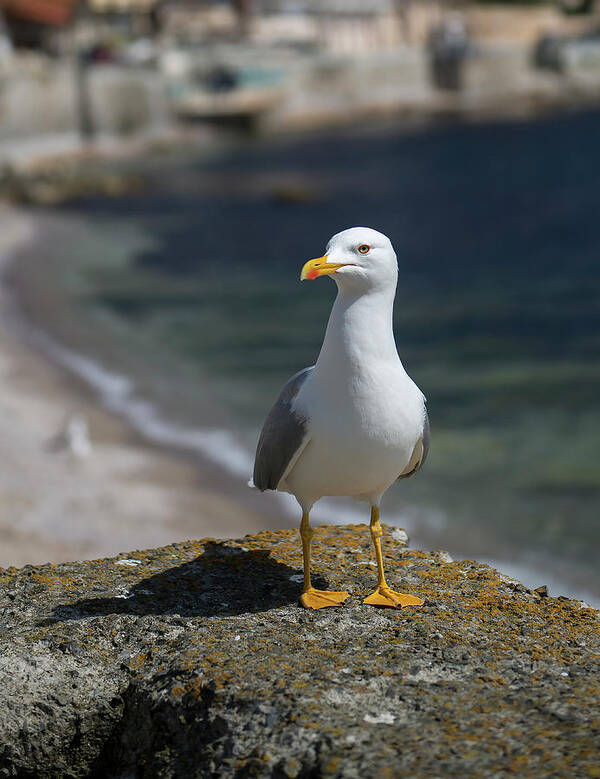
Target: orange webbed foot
[
  {"x": 386, "y": 597},
  {"x": 322, "y": 599}
]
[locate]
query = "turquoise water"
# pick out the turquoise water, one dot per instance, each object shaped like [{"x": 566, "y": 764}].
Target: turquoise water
[{"x": 497, "y": 314}]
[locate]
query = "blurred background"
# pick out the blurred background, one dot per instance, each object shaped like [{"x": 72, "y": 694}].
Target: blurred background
[{"x": 166, "y": 168}]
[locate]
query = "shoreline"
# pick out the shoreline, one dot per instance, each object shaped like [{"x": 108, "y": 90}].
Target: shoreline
[
  {"x": 141, "y": 486},
  {"x": 128, "y": 493}
]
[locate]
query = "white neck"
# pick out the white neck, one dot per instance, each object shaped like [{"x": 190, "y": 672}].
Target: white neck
[{"x": 359, "y": 332}]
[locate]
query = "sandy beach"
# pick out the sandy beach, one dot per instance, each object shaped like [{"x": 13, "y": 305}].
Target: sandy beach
[{"x": 126, "y": 494}]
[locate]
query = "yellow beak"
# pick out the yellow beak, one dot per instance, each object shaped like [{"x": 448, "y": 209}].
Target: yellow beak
[{"x": 319, "y": 267}]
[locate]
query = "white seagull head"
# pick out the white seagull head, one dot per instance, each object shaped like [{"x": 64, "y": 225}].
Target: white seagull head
[{"x": 358, "y": 259}]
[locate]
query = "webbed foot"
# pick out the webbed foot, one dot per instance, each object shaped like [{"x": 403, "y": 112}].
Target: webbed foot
[
  {"x": 321, "y": 599},
  {"x": 384, "y": 596}
]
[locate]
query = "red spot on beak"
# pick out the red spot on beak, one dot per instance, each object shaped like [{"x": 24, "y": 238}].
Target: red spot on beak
[{"x": 312, "y": 274}]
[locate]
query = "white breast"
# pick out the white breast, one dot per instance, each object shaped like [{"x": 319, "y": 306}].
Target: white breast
[
  {"x": 365, "y": 415},
  {"x": 363, "y": 429}
]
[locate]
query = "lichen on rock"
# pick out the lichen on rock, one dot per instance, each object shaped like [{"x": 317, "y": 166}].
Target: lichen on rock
[{"x": 195, "y": 660}]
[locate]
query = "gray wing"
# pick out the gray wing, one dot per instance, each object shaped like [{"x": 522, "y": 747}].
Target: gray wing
[
  {"x": 420, "y": 452},
  {"x": 282, "y": 435}
]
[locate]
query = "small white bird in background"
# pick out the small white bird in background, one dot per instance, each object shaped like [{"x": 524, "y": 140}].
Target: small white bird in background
[
  {"x": 75, "y": 438},
  {"x": 355, "y": 422}
]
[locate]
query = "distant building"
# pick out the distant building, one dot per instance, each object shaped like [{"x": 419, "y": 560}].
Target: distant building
[
  {"x": 33, "y": 23},
  {"x": 349, "y": 26},
  {"x": 122, "y": 6}
]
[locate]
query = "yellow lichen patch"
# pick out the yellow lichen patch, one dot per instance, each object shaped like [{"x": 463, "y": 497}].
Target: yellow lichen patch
[
  {"x": 213, "y": 629},
  {"x": 138, "y": 661},
  {"x": 55, "y": 580}
]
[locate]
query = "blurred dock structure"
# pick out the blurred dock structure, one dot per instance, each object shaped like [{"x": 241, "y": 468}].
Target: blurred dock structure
[{"x": 72, "y": 76}]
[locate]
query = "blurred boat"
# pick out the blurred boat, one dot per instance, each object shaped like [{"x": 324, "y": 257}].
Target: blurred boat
[
  {"x": 228, "y": 95},
  {"x": 242, "y": 105}
]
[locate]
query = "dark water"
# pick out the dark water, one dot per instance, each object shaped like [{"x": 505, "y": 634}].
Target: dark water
[{"x": 497, "y": 232}]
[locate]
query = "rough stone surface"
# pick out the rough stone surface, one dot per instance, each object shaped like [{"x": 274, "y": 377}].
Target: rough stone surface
[{"x": 195, "y": 660}]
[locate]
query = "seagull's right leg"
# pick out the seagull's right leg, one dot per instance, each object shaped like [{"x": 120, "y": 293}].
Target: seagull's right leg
[{"x": 311, "y": 598}]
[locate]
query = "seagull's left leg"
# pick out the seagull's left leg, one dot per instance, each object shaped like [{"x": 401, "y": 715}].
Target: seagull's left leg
[
  {"x": 384, "y": 595},
  {"x": 311, "y": 598}
]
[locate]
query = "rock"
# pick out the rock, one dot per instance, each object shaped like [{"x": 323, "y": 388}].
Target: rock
[
  {"x": 53, "y": 182},
  {"x": 294, "y": 192},
  {"x": 195, "y": 660}
]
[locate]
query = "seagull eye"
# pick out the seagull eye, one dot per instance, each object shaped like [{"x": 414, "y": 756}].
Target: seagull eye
[{"x": 364, "y": 248}]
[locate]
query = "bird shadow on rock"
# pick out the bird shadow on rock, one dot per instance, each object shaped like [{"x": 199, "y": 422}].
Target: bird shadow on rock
[{"x": 223, "y": 581}]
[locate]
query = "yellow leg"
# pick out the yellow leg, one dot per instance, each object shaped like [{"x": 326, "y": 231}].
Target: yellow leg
[
  {"x": 311, "y": 598},
  {"x": 384, "y": 595}
]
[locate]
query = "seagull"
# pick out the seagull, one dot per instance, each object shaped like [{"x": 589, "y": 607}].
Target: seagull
[{"x": 355, "y": 422}]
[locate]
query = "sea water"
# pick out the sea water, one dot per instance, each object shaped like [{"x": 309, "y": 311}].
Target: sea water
[{"x": 183, "y": 305}]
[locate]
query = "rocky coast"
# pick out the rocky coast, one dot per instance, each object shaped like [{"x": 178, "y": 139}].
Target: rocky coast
[{"x": 196, "y": 660}]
